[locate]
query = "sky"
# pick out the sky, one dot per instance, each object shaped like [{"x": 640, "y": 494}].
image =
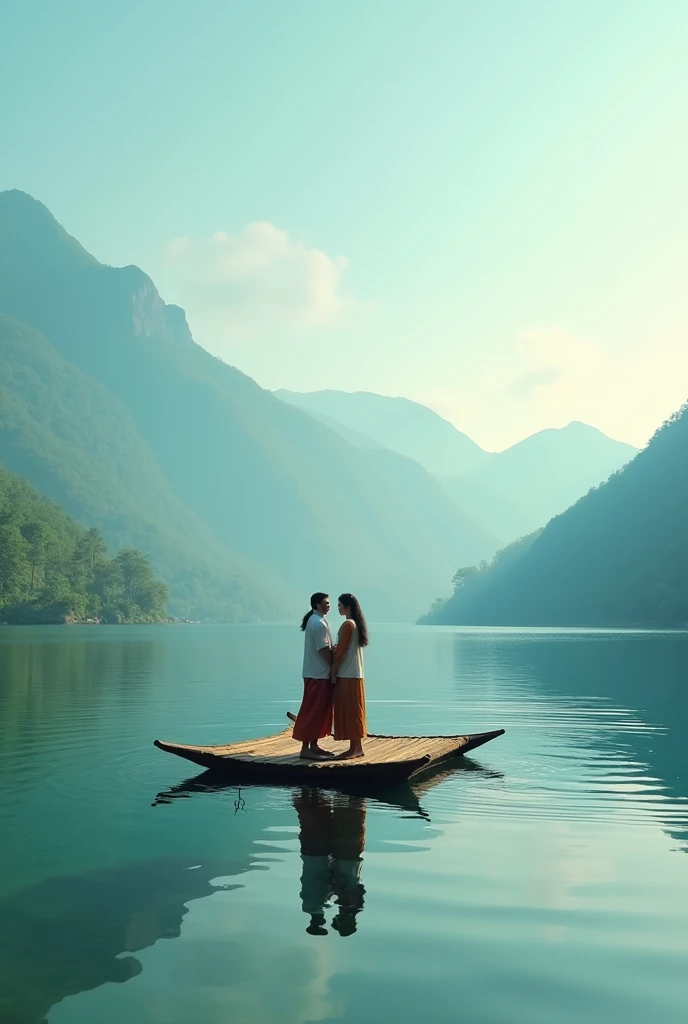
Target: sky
[{"x": 481, "y": 206}]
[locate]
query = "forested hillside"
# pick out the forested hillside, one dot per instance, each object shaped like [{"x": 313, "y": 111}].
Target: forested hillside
[
  {"x": 618, "y": 557},
  {"x": 78, "y": 444},
  {"x": 53, "y": 570}
]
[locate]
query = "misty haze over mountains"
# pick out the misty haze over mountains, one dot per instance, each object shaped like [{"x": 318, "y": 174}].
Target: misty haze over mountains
[
  {"x": 244, "y": 500},
  {"x": 512, "y": 492}
]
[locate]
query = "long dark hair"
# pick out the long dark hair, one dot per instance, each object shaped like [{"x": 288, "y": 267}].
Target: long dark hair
[
  {"x": 316, "y": 599},
  {"x": 356, "y": 612}
]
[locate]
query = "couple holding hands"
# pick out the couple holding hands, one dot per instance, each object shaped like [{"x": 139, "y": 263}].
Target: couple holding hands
[{"x": 333, "y": 689}]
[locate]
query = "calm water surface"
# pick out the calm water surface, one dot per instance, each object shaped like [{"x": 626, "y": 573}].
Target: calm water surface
[{"x": 544, "y": 882}]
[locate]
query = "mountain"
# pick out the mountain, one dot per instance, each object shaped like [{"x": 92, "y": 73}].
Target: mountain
[
  {"x": 209, "y": 457},
  {"x": 354, "y": 437},
  {"x": 512, "y": 492},
  {"x": 397, "y": 424},
  {"x": 618, "y": 557},
  {"x": 546, "y": 473}
]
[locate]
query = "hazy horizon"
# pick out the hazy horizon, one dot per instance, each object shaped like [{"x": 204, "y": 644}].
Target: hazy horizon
[{"x": 511, "y": 444}]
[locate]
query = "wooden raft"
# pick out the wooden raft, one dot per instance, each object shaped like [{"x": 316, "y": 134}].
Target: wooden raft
[{"x": 277, "y": 757}]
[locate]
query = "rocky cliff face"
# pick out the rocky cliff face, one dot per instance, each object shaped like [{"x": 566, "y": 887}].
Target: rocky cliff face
[
  {"x": 142, "y": 309},
  {"x": 178, "y": 331}
]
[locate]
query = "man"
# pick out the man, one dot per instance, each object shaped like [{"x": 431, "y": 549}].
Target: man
[
  {"x": 314, "y": 810},
  {"x": 314, "y": 720}
]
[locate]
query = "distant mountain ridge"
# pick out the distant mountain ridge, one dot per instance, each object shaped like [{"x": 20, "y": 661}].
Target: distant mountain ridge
[
  {"x": 549, "y": 471},
  {"x": 512, "y": 492},
  {"x": 253, "y": 491},
  {"x": 399, "y": 424}
]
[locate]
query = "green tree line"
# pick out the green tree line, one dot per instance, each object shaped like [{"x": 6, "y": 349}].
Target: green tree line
[
  {"x": 468, "y": 575},
  {"x": 54, "y": 570}
]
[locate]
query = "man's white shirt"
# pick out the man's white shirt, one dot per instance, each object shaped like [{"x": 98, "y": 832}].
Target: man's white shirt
[{"x": 317, "y": 636}]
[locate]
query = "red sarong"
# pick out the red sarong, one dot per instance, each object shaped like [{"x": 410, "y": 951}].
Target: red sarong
[{"x": 314, "y": 720}]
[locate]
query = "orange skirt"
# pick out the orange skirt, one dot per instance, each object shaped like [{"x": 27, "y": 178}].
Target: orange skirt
[
  {"x": 349, "y": 709},
  {"x": 314, "y": 720}
]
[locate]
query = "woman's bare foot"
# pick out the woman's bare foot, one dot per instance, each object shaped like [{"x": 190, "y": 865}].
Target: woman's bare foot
[{"x": 351, "y": 753}]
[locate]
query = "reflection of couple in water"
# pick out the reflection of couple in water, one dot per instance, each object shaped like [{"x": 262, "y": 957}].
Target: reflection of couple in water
[
  {"x": 332, "y": 837},
  {"x": 333, "y": 688},
  {"x": 331, "y": 827}
]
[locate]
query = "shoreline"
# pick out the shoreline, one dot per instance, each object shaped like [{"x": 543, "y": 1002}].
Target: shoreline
[{"x": 92, "y": 622}]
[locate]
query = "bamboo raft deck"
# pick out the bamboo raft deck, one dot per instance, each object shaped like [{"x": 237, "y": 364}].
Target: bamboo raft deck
[{"x": 277, "y": 757}]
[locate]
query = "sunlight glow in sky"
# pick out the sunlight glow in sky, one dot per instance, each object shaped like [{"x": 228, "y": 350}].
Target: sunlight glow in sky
[{"x": 480, "y": 206}]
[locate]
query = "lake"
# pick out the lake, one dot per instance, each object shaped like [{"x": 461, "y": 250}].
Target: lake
[{"x": 543, "y": 882}]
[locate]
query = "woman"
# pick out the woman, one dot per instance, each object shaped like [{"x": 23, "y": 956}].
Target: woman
[{"x": 347, "y": 675}]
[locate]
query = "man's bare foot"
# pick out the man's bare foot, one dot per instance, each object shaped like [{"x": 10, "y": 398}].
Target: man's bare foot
[
  {"x": 349, "y": 755},
  {"x": 312, "y": 755},
  {"x": 321, "y": 750}
]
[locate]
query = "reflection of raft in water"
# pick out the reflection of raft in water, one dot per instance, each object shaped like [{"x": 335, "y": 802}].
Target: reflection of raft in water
[{"x": 276, "y": 757}]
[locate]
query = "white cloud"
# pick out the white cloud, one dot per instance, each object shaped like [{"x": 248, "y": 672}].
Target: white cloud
[
  {"x": 258, "y": 279},
  {"x": 531, "y": 380},
  {"x": 556, "y": 361}
]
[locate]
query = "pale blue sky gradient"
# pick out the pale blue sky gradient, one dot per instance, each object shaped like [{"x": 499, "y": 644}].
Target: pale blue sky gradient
[{"x": 506, "y": 183}]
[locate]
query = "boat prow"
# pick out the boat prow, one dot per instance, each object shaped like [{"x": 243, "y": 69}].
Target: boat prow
[{"x": 276, "y": 757}]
